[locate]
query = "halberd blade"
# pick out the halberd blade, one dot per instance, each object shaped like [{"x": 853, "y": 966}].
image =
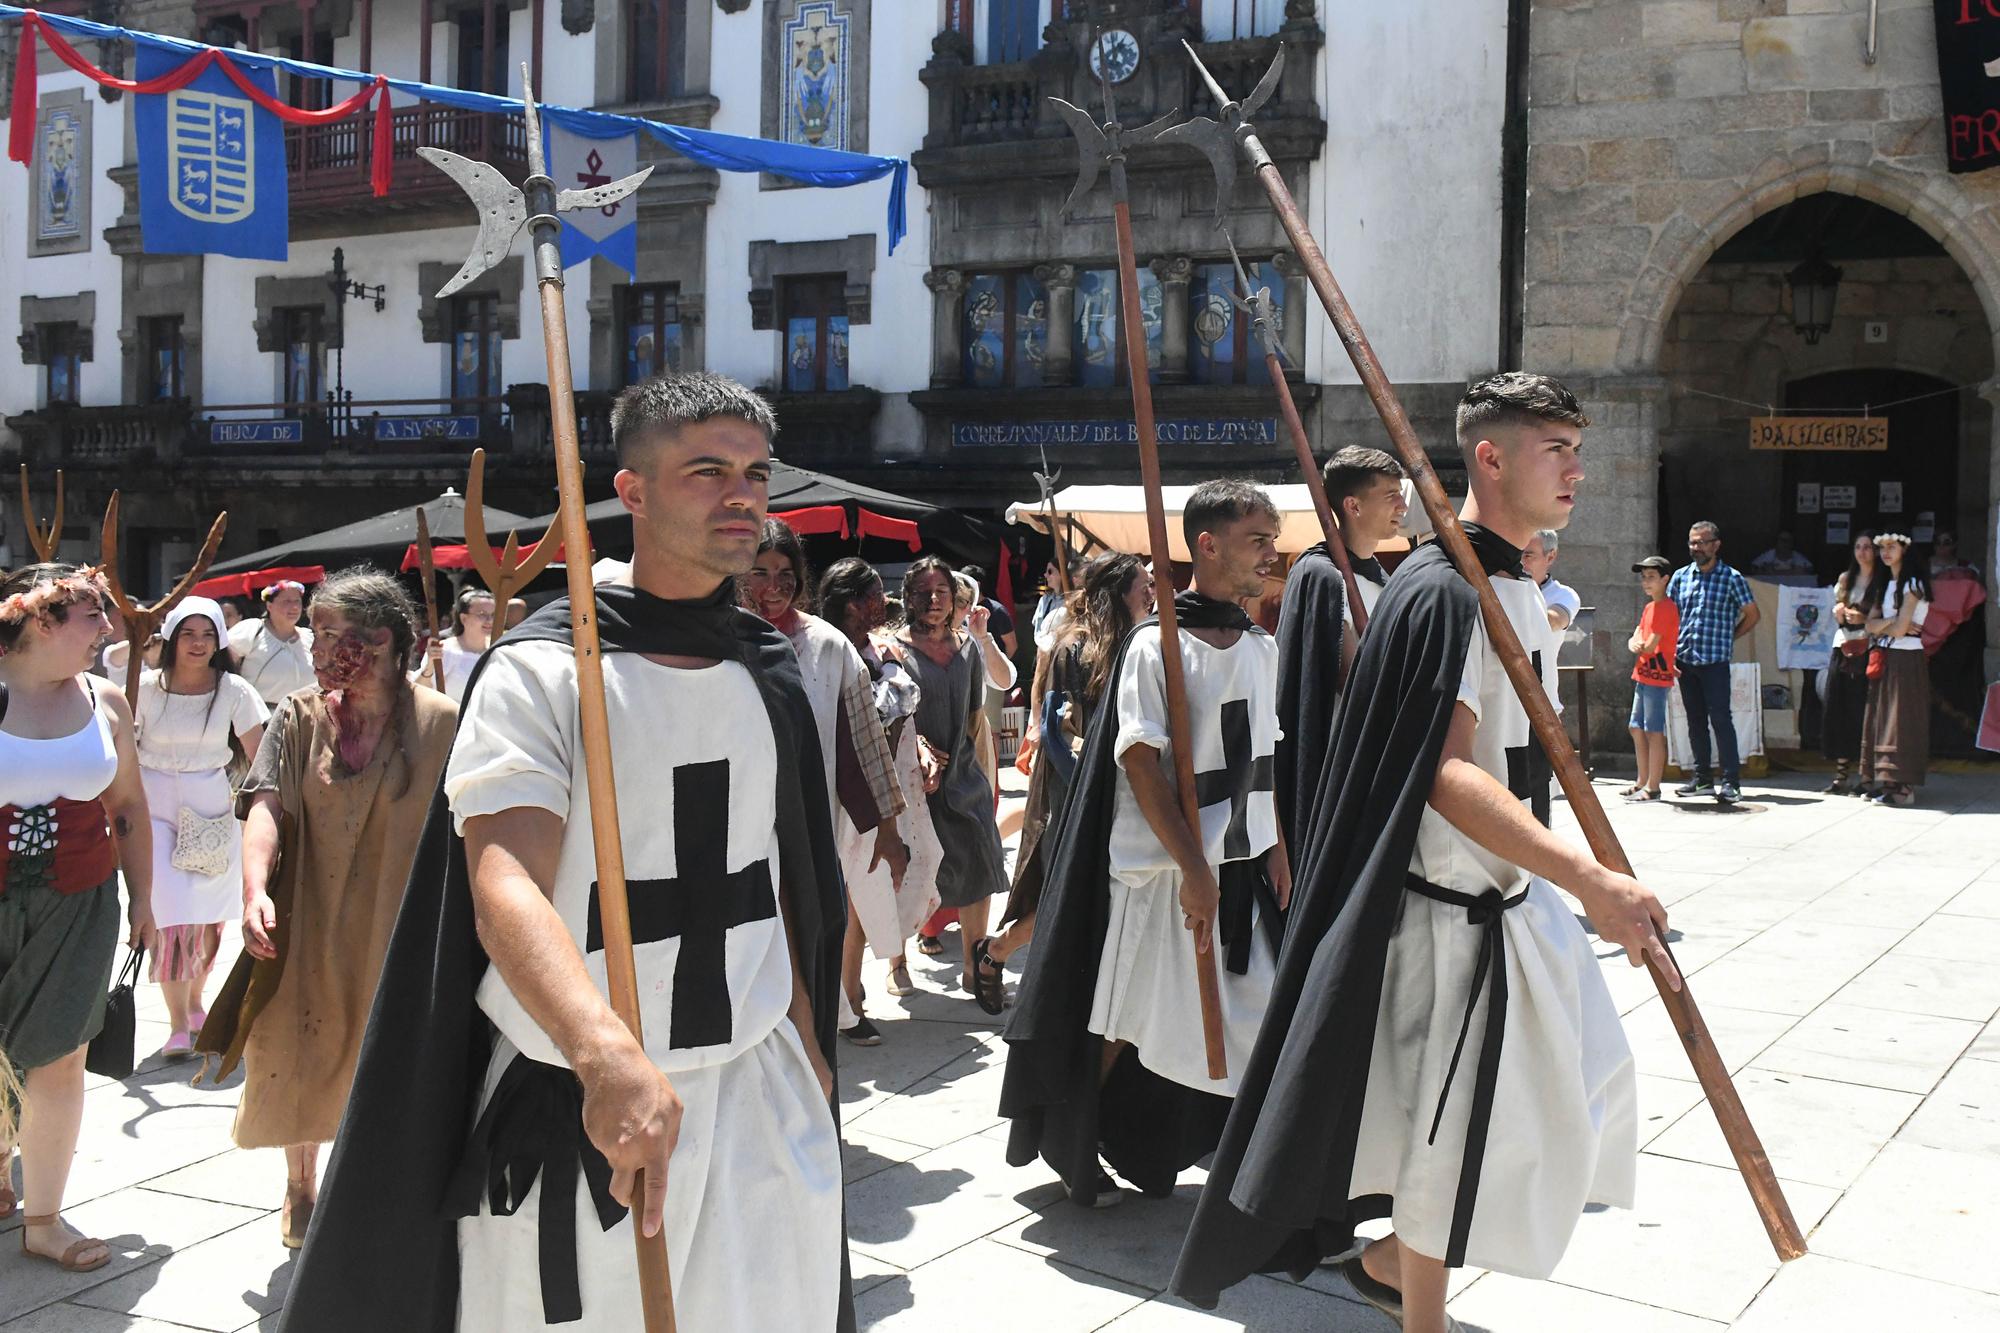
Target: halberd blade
[
  {"x": 1217, "y": 147},
  {"x": 1266, "y": 85},
  {"x": 503, "y": 211},
  {"x": 600, "y": 196},
  {"x": 1093, "y": 145}
]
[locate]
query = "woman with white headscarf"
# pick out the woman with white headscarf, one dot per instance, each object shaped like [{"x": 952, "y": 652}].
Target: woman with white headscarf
[{"x": 190, "y": 710}]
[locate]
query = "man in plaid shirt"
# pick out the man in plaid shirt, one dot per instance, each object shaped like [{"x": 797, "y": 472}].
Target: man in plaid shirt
[{"x": 1716, "y": 610}]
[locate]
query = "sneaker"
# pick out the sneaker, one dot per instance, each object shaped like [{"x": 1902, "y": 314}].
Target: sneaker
[
  {"x": 863, "y": 1033},
  {"x": 1698, "y": 785},
  {"x": 1727, "y": 794}
]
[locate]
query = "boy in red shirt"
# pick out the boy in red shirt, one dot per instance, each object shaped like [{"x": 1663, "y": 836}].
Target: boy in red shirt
[{"x": 1652, "y": 676}]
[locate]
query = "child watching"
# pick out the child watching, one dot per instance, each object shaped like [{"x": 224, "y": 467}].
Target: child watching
[{"x": 1652, "y": 677}]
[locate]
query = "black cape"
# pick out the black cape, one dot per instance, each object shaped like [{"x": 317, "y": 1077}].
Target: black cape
[
  {"x": 1276, "y": 1198},
  {"x": 1310, "y": 632},
  {"x": 383, "y": 1247},
  {"x": 1146, "y": 1127}
]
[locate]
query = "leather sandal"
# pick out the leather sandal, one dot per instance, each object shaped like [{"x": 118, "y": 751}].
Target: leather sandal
[
  {"x": 900, "y": 983},
  {"x": 296, "y": 1217},
  {"x": 989, "y": 988},
  {"x": 68, "y": 1261}
]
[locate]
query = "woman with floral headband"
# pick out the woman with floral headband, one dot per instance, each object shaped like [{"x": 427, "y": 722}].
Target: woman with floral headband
[
  {"x": 333, "y": 809},
  {"x": 72, "y": 813},
  {"x": 275, "y": 653}
]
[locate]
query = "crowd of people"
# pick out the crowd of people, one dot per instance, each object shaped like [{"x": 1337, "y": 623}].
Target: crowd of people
[{"x": 1278, "y": 966}]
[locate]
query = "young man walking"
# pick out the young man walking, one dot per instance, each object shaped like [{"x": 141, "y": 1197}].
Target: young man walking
[
  {"x": 1716, "y": 610},
  {"x": 1440, "y": 1048}
]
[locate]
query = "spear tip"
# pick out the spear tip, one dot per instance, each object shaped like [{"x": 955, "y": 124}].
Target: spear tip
[{"x": 1214, "y": 88}]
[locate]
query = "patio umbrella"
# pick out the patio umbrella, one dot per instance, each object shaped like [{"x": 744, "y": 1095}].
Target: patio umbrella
[{"x": 380, "y": 540}]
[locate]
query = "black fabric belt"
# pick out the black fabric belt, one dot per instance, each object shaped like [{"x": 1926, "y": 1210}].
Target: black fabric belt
[
  {"x": 533, "y": 1128},
  {"x": 1243, "y": 887},
  {"x": 1483, "y": 910}
]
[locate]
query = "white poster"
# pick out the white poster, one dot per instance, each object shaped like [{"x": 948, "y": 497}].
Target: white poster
[
  {"x": 1836, "y": 529},
  {"x": 1838, "y": 497},
  {"x": 1808, "y": 497},
  {"x": 1891, "y": 499},
  {"x": 1805, "y": 628}
]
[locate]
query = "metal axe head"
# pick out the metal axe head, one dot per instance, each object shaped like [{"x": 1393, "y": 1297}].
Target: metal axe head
[
  {"x": 1218, "y": 140},
  {"x": 1255, "y": 302},
  {"x": 1100, "y": 144},
  {"x": 503, "y": 205}
]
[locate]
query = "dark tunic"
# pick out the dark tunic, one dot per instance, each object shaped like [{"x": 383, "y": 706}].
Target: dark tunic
[{"x": 974, "y": 868}]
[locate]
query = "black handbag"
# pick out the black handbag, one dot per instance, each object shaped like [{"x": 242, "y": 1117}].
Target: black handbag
[{"x": 112, "y": 1050}]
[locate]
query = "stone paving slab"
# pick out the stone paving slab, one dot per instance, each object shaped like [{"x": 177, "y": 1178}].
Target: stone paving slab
[{"x": 1842, "y": 956}]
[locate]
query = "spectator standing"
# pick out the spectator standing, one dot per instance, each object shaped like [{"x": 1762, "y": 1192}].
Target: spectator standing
[
  {"x": 1896, "y": 729},
  {"x": 1050, "y": 611},
  {"x": 1857, "y": 595},
  {"x": 472, "y": 634},
  {"x": 1652, "y": 676},
  {"x": 1784, "y": 563},
  {"x": 1538, "y": 557},
  {"x": 1000, "y": 618},
  {"x": 275, "y": 653},
  {"x": 1716, "y": 609}
]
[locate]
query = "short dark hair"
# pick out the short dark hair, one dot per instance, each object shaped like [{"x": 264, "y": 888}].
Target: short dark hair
[
  {"x": 1352, "y": 468},
  {"x": 1713, "y": 530},
  {"x": 1215, "y": 504},
  {"x": 663, "y": 404},
  {"x": 977, "y": 573},
  {"x": 1515, "y": 398}
]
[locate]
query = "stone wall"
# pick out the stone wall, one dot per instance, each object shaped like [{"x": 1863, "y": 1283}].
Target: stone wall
[{"x": 1657, "y": 129}]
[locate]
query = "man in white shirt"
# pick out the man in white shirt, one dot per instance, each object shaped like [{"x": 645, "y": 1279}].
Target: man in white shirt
[{"x": 1539, "y": 558}]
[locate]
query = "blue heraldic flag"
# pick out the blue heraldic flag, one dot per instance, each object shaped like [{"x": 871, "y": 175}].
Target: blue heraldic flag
[{"x": 211, "y": 166}]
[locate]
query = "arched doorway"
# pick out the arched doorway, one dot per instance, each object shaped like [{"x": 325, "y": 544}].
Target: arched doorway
[{"x": 1909, "y": 343}]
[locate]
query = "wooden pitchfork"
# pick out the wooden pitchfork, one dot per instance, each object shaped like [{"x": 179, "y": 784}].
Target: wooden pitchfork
[
  {"x": 512, "y": 571},
  {"x": 44, "y": 539},
  {"x": 504, "y": 208},
  {"x": 1215, "y": 140},
  {"x": 143, "y": 622}
]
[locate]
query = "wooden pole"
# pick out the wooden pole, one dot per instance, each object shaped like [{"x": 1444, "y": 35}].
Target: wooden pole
[
  {"x": 621, "y": 973},
  {"x": 143, "y": 622},
  {"x": 435, "y": 652},
  {"x": 1741, "y": 1135},
  {"x": 1336, "y": 546}
]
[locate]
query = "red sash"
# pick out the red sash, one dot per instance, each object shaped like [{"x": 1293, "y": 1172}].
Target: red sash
[{"x": 85, "y": 856}]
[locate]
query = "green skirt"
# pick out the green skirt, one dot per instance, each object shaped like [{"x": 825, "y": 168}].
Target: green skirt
[{"x": 56, "y": 955}]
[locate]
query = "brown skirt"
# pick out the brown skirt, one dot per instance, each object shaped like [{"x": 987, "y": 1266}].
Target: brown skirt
[{"x": 1896, "y": 730}]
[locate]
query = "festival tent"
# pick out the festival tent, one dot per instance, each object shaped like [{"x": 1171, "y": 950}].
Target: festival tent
[{"x": 381, "y": 540}]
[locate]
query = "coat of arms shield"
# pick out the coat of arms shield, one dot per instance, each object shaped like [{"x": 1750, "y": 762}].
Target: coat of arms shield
[{"x": 211, "y": 154}]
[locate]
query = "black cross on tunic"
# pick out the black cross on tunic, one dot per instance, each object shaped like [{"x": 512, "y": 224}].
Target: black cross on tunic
[
  {"x": 1239, "y": 776},
  {"x": 697, "y": 906},
  {"x": 1528, "y": 768}
]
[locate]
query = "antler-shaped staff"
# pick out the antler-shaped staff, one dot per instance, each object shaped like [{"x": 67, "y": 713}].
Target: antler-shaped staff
[
  {"x": 1046, "y": 480},
  {"x": 513, "y": 571},
  {"x": 43, "y": 539},
  {"x": 1709, "y": 1068},
  {"x": 434, "y": 653},
  {"x": 503, "y": 210},
  {"x": 143, "y": 622},
  {"x": 1103, "y": 145}
]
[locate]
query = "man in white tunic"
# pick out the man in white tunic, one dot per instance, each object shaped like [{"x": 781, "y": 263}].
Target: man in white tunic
[
  {"x": 1441, "y": 1048},
  {"x": 736, "y": 922},
  {"x": 1106, "y": 1053}
]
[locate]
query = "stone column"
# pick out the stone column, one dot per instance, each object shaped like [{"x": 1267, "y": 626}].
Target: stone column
[
  {"x": 947, "y": 318},
  {"x": 1175, "y": 273},
  {"x": 1059, "y": 361},
  {"x": 1293, "y": 303}
]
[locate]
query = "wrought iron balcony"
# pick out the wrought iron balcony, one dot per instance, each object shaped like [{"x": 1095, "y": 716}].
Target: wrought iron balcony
[{"x": 330, "y": 165}]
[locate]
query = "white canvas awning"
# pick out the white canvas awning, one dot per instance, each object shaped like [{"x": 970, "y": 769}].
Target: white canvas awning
[{"x": 1115, "y": 517}]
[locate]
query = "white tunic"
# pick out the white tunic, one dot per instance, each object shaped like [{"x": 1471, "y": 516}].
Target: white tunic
[
  {"x": 274, "y": 667},
  {"x": 753, "y": 1205},
  {"x": 1564, "y": 1126},
  {"x": 457, "y": 661},
  {"x": 889, "y": 916},
  {"x": 1371, "y": 593},
  {"x": 183, "y": 742},
  {"x": 1146, "y": 991}
]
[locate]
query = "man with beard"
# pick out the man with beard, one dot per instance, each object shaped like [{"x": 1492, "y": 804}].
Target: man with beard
[
  {"x": 1107, "y": 1035},
  {"x": 1426, "y": 901},
  {"x": 485, "y": 1171},
  {"x": 1316, "y": 638}
]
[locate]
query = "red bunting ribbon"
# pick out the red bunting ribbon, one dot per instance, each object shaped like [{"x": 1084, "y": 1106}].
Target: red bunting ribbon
[{"x": 21, "y": 135}]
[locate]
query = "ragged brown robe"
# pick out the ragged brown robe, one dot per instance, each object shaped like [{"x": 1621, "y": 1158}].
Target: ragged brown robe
[{"x": 345, "y": 845}]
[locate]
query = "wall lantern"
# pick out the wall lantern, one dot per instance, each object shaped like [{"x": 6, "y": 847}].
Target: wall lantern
[{"x": 1814, "y": 285}]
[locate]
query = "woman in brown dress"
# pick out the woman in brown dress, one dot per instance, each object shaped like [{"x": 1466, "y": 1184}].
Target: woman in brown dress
[
  {"x": 1896, "y": 728},
  {"x": 333, "y": 808}
]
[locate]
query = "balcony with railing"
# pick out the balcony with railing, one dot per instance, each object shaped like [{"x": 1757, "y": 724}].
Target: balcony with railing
[{"x": 330, "y": 165}]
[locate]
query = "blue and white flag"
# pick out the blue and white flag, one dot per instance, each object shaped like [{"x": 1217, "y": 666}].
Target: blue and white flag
[
  {"x": 578, "y": 163},
  {"x": 211, "y": 165}
]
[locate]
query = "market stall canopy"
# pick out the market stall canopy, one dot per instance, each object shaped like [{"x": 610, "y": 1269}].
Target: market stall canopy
[
  {"x": 381, "y": 540},
  {"x": 244, "y": 585},
  {"x": 1114, "y": 517}
]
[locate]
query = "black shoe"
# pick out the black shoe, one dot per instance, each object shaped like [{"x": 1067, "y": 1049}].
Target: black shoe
[
  {"x": 863, "y": 1033},
  {"x": 1727, "y": 794},
  {"x": 1698, "y": 785}
]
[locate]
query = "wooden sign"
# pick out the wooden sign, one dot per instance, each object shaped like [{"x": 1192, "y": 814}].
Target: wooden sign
[{"x": 1838, "y": 434}]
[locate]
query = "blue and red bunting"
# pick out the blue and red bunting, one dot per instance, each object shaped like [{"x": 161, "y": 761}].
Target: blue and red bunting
[{"x": 212, "y": 176}]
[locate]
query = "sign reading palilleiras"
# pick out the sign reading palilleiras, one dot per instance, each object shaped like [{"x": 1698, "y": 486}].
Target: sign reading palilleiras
[
  {"x": 1968, "y": 47},
  {"x": 1844, "y": 434},
  {"x": 211, "y": 165}
]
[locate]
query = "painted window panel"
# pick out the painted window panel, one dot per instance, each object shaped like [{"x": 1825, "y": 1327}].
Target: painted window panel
[{"x": 1099, "y": 349}]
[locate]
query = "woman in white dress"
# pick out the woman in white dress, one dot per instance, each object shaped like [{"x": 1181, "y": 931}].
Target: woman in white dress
[
  {"x": 189, "y": 711},
  {"x": 275, "y": 653},
  {"x": 471, "y": 635}
]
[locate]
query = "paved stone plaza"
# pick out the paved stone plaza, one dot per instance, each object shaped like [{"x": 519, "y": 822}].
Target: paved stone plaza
[{"x": 1844, "y": 956}]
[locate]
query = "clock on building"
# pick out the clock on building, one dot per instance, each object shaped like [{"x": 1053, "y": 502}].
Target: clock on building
[{"x": 1115, "y": 55}]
